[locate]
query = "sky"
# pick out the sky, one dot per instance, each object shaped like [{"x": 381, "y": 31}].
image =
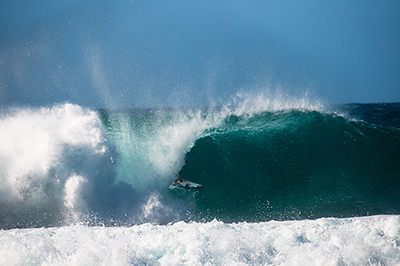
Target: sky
[{"x": 120, "y": 53}]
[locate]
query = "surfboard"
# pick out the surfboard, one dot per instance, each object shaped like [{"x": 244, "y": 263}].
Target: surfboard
[{"x": 186, "y": 184}]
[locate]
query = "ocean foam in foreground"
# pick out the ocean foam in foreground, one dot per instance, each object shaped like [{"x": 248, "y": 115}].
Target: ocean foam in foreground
[{"x": 371, "y": 240}]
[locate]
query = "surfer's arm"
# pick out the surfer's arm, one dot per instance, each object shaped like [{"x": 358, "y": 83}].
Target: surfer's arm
[{"x": 179, "y": 177}]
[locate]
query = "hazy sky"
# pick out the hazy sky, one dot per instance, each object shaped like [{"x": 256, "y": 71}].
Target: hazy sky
[{"x": 118, "y": 54}]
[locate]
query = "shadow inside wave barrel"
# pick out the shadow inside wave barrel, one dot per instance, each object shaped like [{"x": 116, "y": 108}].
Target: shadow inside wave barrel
[{"x": 295, "y": 165}]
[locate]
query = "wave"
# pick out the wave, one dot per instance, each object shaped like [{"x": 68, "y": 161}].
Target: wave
[{"x": 259, "y": 160}]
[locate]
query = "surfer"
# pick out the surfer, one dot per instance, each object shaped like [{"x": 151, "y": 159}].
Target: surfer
[
  {"x": 184, "y": 183},
  {"x": 179, "y": 179}
]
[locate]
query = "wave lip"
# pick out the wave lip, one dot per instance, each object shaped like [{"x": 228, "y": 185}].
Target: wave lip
[{"x": 246, "y": 104}]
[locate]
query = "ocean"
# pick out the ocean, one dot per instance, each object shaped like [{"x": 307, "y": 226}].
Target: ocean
[{"x": 286, "y": 182}]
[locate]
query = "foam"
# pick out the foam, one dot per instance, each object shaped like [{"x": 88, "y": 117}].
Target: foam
[
  {"x": 371, "y": 240},
  {"x": 42, "y": 151}
]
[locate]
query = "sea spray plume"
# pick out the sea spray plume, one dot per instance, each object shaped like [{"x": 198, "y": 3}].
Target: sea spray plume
[
  {"x": 268, "y": 101},
  {"x": 154, "y": 143}
]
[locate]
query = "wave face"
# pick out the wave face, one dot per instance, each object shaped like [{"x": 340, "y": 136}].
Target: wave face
[
  {"x": 296, "y": 165},
  {"x": 259, "y": 160}
]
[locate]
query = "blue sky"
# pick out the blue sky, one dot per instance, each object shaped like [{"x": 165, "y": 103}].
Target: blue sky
[{"x": 165, "y": 53}]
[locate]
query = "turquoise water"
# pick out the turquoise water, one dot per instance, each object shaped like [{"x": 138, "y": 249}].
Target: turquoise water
[
  {"x": 114, "y": 167},
  {"x": 296, "y": 165}
]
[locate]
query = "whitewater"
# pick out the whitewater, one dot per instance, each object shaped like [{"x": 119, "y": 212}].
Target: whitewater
[
  {"x": 355, "y": 241},
  {"x": 287, "y": 182}
]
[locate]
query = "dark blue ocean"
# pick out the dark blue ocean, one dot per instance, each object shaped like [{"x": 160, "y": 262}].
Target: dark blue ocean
[{"x": 285, "y": 183}]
